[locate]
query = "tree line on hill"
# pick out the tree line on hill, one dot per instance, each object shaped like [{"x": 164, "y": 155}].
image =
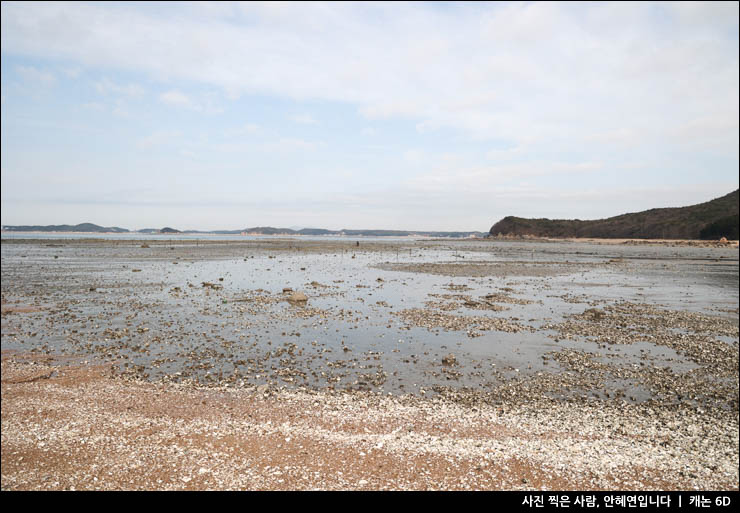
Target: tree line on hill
[{"x": 710, "y": 220}]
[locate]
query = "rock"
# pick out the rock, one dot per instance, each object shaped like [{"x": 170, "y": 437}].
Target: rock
[
  {"x": 263, "y": 389},
  {"x": 594, "y": 314},
  {"x": 298, "y": 297},
  {"x": 286, "y": 290},
  {"x": 449, "y": 360}
]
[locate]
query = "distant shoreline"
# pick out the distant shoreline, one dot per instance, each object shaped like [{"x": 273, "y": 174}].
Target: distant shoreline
[
  {"x": 271, "y": 233},
  {"x": 8, "y": 235},
  {"x": 236, "y": 235}
]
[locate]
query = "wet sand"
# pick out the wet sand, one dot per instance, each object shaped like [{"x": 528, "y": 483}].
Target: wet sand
[{"x": 409, "y": 365}]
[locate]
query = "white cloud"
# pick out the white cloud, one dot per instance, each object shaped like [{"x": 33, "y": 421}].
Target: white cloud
[
  {"x": 247, "y": 129},
  {"x": 708, "y": 131},
  {"x": 120, "y": 109},
  {"x": 413, "y": 156},
  {"x": 293, "y": 143},
  {"x": 158, "y": 138},
  {"x": 304, "y": 119},
  {"x": 107, "y": 86},
  {"x": 453, "y": 176},
  {"x": 96, "y": 106},
  {"x": 527, "y": 72},
  {"x": 176, "y": 98},
  {"x": 251, "y": 128},
  {"x": 35, "y": 76},
  {"x": 72, "y": 72},
  {"x": 505, "y": 153}
]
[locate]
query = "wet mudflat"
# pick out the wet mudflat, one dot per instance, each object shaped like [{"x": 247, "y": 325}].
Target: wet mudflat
[
  {"x": 405, "y": 317},
  {"x": 477, "y": 323}
]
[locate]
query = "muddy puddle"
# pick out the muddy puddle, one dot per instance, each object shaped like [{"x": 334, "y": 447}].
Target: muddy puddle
[{"x": 392, "y": 317}]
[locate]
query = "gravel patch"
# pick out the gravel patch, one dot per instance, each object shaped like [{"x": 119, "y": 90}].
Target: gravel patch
[{"x": 83, "y": 429}]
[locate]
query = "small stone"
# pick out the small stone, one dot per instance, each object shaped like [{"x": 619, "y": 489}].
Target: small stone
[
  {"x": 449, "y": 360},
  {"x": 263, "y": 389},
  {"x": 298, "y": 297}
]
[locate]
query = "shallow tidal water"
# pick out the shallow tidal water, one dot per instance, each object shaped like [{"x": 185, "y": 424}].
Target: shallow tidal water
[{"x": 218, "y": 312}]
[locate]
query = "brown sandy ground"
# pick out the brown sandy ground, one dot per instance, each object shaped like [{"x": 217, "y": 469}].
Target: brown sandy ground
[{"x": 70, "y": 425}]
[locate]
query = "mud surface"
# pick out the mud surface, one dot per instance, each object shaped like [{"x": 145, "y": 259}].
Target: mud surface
[{"x": 477, "y": 324}]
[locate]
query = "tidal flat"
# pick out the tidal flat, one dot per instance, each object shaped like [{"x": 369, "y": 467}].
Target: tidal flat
[{"x": 456, "y": 364}]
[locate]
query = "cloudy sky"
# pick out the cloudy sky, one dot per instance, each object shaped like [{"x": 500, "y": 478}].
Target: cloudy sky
[{"x": 443, "y": 116}]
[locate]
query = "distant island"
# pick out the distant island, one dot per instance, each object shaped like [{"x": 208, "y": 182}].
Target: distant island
[
  {"x": 257, "y": 230},
  {"x": 358, "y": 233},
  {"x": 710, "y": 220},
  {"x": 84, "y": 228}
]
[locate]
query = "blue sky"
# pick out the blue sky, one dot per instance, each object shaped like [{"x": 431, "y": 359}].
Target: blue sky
[{"x": 441, "y": 116}]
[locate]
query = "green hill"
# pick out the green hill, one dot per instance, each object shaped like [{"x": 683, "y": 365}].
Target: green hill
[{"x": 711, "y": 220}]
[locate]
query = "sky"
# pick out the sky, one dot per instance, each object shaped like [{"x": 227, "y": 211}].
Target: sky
[{"x": 416, "y": 116}]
